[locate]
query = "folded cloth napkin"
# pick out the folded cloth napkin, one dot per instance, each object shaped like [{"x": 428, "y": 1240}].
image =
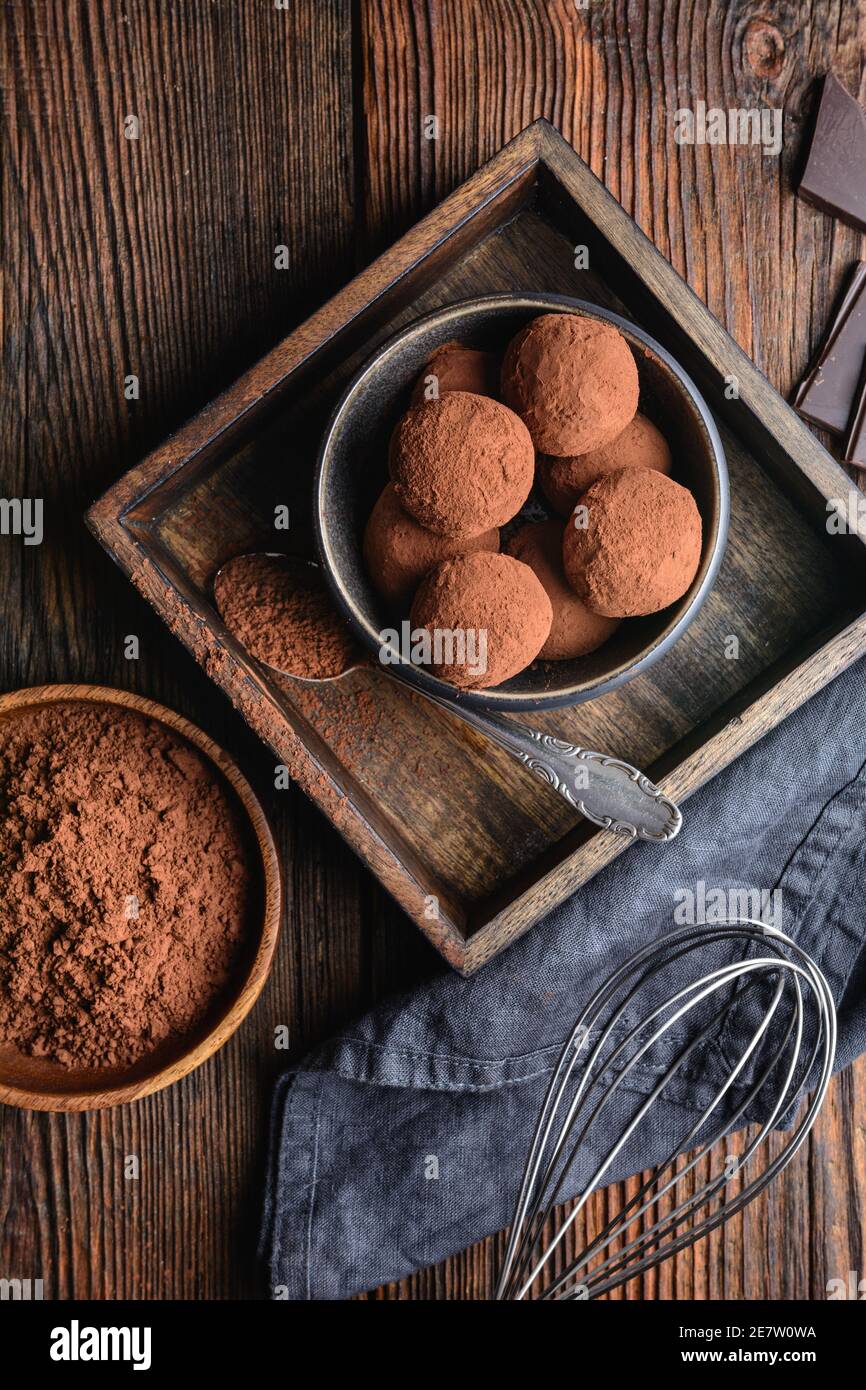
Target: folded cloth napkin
[{"x": 403, "y": 1140}]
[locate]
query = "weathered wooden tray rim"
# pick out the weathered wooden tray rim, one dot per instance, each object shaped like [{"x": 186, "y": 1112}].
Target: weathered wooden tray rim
[{"x": 121, "y": 519}]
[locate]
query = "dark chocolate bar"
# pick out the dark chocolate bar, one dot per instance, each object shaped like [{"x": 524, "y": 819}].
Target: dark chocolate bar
[
  {"x": 835, "y": 175},
  {"x": 855, "y": 441},
  {"x": 827, "y": 393}
]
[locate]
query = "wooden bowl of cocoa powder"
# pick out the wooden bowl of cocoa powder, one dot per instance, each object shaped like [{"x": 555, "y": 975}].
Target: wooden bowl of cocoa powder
[{"x": 141, "y": 891}]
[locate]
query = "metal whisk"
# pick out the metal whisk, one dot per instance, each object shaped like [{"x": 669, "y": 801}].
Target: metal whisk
[{"x": 750, "y": 1032}]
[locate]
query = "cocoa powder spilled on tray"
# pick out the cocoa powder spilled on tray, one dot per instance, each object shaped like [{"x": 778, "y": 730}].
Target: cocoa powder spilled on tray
[
  {"x": 279, "y": 609},
  {"x": 125, "y": 880}
]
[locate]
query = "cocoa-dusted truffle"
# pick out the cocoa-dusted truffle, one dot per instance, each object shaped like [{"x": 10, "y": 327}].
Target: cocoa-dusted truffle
[
  {"x": 499, "y": 607},
  {"x": 457, "y": 368},
  {"x": 573, "y": 380},
  {"x": 641, "y": 547},
  {"x": 462, "y": 464},
  {"x": 575, "y": 629},
  {"x": 640, "y": 445},
  {"x": 398, "y": 552}
]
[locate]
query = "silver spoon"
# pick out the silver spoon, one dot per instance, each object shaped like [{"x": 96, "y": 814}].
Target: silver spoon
[{"x": 607, "y": 791}]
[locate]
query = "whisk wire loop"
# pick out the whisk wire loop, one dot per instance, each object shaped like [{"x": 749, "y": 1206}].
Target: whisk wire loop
[{"x": 628, "y": 1042}]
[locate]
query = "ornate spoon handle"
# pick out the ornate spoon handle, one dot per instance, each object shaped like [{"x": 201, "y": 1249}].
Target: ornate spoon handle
[{"x": 606, "y": 790}]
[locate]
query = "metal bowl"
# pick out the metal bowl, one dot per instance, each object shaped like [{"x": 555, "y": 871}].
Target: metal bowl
[{"x": 352, "y": 470}]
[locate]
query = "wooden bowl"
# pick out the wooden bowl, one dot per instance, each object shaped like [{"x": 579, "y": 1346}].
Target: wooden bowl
[
  {"x": 35, "y": 1083},
  {"x": 352, "y": 470}
]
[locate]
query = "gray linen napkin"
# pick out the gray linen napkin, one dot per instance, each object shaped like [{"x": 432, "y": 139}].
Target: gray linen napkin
[{"x": 403, "y": 1140}]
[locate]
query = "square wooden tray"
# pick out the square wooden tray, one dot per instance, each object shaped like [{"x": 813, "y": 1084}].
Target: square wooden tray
[{"x": 475, "y": 849}]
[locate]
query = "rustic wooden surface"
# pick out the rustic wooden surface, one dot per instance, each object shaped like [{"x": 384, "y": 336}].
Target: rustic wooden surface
[{"x": 304, "y": 127}]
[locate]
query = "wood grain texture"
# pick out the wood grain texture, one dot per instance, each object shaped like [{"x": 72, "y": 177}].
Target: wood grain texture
[{"x": 262, "y": 128}]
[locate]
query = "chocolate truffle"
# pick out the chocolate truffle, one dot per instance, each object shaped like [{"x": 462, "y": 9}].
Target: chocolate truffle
[
  {"x": 458, "y": 368},
  {"x": 462, "y": 464},
  {"x": 498, "y": 606},
  {"x": 398, "y": 552},
  {"x": 573, "y": 380},
  {"x": 641, "y": 547},
  {"x": 575, "y": 629},
  {"x": 640, "y": 445}
]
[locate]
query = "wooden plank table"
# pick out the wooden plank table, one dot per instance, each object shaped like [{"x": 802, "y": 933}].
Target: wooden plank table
[{"x": 154, "y": 257}]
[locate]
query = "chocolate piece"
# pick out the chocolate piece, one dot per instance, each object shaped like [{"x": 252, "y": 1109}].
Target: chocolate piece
[
  {"x": 640, "y": 445},
  {"x": 835, "y": 175},
  {"x": 826, "y": 395},
  {"x": 399, "y": 553},
  {"x": 855, "y": 441},
  {"x": 575, "y": 630},
  {"x": 458, "y": 368}
]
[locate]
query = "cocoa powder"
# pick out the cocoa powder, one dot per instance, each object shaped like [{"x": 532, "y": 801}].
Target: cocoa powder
[
  {"x": 126, "y": 884},
  {"x": 279, "y": 609}
]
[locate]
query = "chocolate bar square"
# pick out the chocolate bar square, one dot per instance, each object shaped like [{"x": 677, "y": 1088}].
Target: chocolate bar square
[
  {"x": 835, "y": 175},
  {"x": 827, "y": 393}
]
